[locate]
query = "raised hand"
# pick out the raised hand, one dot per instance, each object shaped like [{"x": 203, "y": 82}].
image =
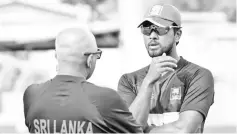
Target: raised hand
[{"x": 159, "y": 66}]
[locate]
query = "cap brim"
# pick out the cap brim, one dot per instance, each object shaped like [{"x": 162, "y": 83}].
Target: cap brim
[{"x": 157, "y": 21}]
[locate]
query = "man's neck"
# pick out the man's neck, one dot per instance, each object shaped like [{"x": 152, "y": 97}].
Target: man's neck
[
  {"x": 176, "y": 57},
  {"x": 173, "y": 53},
  {"x": 71, "y": 72},
  {"x": 67, "y": 68}
]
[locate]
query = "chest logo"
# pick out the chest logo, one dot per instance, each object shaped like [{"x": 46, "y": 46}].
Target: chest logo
[{"x": 175, "y": 93}]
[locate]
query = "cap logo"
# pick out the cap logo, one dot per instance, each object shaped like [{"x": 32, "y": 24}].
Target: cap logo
[{"x": 156, "y": 10}]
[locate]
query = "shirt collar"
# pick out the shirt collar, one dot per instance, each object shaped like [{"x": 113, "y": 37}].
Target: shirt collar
[
  {"x": 68, "y": 78},
  {"x": 181, "y": 63}
]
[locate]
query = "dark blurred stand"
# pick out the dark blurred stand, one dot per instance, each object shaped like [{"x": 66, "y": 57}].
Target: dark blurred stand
[
  {"x": 104, "y": 40},
  {"x": 106, "y": 31}
]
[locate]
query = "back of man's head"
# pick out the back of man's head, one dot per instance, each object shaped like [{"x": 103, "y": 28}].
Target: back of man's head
[{"x": 72, "y": 43}]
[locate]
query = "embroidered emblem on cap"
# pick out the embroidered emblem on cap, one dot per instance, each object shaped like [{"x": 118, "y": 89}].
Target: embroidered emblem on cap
[
  {"x": 175, "y": 93},
  {"x": 156, "y": 10}
]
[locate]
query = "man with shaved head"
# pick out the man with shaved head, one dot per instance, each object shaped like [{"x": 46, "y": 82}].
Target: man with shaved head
[{"x": 68, "y": 103}]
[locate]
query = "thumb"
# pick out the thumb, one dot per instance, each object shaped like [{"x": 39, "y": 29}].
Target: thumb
[{"x": 162, "y": 74}]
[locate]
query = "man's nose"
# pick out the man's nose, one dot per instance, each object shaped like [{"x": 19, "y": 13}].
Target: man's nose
[{"x": 154, "y": 35}]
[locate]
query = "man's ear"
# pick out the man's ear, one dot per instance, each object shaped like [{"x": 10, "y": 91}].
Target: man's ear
[
  {"x": 178, "y": 35},
  {"x": 89, "y": 61}
]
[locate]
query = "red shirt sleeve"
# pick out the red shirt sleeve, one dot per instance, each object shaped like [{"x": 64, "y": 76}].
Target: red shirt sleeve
[
  {"x": 27, "y": 99},
  {"x": 200, "y": 93},
  {"x": 126, "y": 90},
  {"x": 117, "y": 116}
]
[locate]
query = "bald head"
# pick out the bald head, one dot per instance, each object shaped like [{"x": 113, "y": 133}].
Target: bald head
[{"x": 72, "y": 43}]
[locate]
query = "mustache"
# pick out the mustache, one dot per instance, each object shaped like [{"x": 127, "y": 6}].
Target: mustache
[{"x": 153, "y": 42}]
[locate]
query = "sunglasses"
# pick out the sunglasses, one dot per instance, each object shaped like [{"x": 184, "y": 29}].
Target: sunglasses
[
  {"x": 98, "y": 53},
  {"x": 147, "y": 30}
]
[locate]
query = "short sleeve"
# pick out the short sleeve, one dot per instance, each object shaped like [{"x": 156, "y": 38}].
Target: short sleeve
[
  {"x": 200, "y": 93},
  {"x": 126, "y": 90},
  {"x": 117, "y": 116},
  {"x": 28, "y": 98}
]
